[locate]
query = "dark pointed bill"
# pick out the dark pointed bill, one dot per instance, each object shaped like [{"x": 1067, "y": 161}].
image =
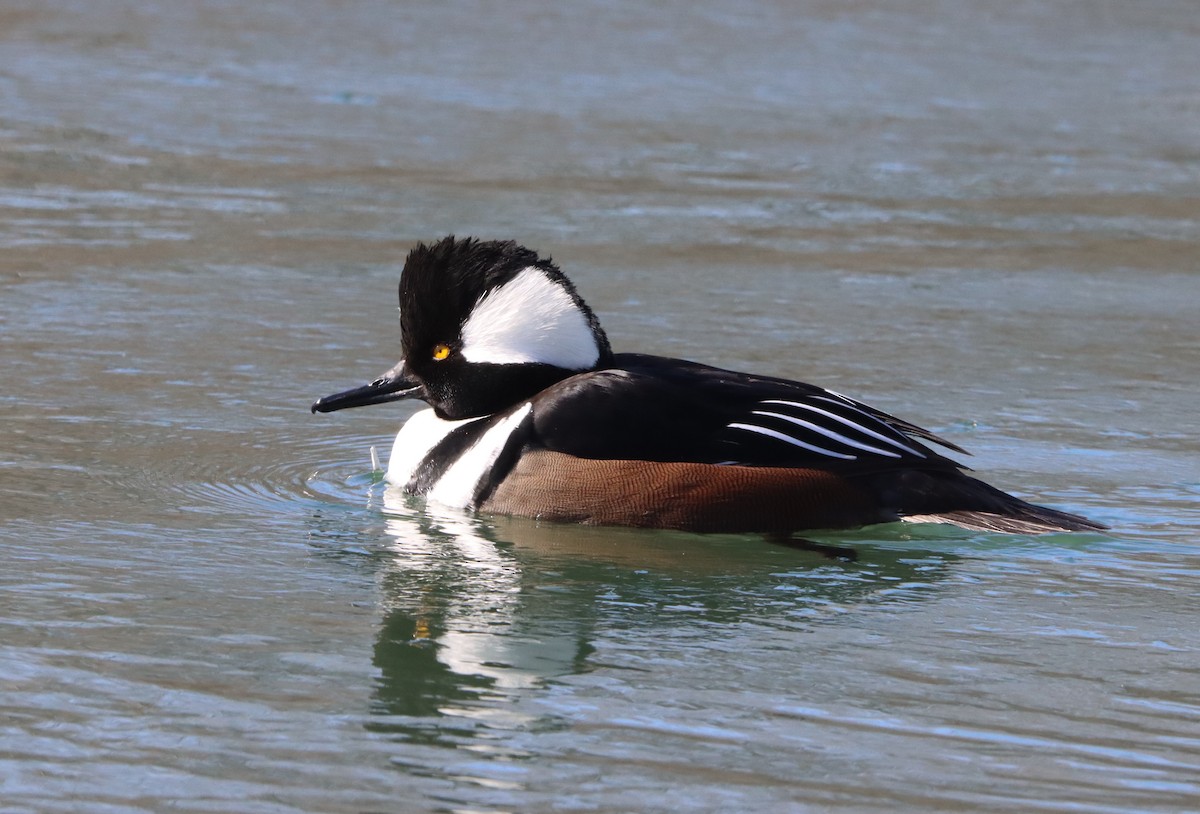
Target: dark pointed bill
[{"x": 394, "y": 385}]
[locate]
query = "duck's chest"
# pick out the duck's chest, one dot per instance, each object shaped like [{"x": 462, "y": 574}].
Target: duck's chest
[{"x": 457, "y": 463}]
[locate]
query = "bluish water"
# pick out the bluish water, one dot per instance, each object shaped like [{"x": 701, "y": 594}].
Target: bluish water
[{"x": 981, "y": 219}]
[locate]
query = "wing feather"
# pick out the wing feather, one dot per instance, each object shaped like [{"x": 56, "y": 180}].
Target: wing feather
[{"x": 652, "y": 408}]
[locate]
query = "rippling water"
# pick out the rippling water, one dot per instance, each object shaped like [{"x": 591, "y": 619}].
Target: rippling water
[{"x": 981, "y": 218}]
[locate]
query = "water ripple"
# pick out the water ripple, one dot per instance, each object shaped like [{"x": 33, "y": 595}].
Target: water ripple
[{"x": 332, "y": 469}]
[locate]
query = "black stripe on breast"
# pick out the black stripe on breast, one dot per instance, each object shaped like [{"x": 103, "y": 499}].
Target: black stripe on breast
[
  {"x": 514, "y": 445},
  {"x": 443, "y": 455}
]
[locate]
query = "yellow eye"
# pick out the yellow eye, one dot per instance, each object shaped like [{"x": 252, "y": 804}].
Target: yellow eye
[{"x": 440, "y": 352}]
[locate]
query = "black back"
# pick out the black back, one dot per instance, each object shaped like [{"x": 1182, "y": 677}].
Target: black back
[{"x": 653, "y": 408}]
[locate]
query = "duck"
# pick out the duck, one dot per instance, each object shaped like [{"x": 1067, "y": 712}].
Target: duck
[{"x": 530, "y": 413}]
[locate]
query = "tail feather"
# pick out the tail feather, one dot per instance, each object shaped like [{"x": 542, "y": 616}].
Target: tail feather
[
  {"x": 949, "y": 496},
  {"x": 1040, "y": 520}
]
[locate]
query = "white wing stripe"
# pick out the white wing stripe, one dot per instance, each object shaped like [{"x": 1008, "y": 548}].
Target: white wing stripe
[
  {"x": 848, "y": 423},
  {"x": 830, "y": 434},
  {"x": 789, "y": 439}
]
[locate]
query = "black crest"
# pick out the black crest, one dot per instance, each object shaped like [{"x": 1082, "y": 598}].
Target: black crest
[{"x": 442, "y": 282}]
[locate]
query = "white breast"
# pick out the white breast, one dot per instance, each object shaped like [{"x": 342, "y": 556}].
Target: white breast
[
  {"x": 416, "y": 438},
  {"x": 457, "y": 485}
]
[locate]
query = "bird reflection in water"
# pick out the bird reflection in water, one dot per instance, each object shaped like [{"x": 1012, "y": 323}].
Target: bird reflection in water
[{"x": 481, "y": 614}]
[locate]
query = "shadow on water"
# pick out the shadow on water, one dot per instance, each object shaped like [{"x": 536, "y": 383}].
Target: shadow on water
[{"x": 480, "y": 614}]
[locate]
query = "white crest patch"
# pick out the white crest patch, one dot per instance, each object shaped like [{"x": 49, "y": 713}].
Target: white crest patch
[{"x": 530, "y": 318}]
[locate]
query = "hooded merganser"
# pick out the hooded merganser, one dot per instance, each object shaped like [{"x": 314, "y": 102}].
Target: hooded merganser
[{"x": 533, "y": 415}]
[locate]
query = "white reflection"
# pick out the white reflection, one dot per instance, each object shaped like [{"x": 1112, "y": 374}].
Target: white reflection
[{"x": 475, "y": 592}]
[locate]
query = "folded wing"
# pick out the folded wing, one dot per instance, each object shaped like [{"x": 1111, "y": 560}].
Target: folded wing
[{"x": 651, "y": 408}]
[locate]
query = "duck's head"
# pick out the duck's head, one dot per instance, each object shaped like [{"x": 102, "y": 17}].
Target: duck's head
[{"x": 483, "y": 325}]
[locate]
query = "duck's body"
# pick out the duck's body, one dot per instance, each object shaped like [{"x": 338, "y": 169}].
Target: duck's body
[{"x": 533, "y": 415}]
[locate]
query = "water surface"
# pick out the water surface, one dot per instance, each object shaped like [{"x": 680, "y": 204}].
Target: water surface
[{"x": 981, "y": 219}]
